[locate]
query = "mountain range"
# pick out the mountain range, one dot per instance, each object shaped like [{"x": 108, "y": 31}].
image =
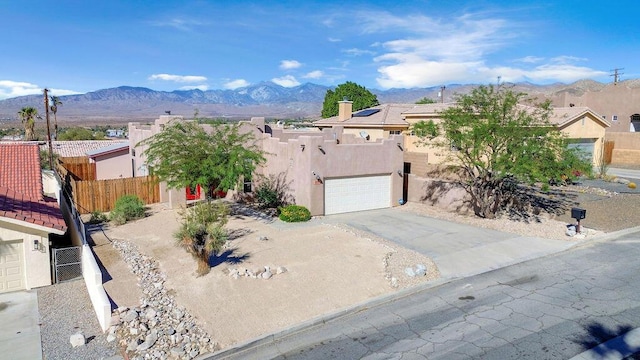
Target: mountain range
[{"x": 124, "y": 104}]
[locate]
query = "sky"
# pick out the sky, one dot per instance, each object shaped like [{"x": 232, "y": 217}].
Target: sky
[{"x": 80, "y": 46}]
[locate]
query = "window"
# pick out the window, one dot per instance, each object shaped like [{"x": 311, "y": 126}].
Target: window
[
  {"x": 614, "y": 117},
  {"x": 395, "y": 132}
]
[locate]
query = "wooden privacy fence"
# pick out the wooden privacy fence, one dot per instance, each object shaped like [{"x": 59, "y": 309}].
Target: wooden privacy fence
[
  {"x": 608, "y": 151},
  {"x": 80, "y": 167},
  {"x": 101, "y": 195}
]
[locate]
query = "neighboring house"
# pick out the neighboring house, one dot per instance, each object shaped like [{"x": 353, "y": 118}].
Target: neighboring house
[
  {"x": 617, "y": 103},
  {"x": 77, "y": 148},
  {"x": 583, "y": 127},
  {"x": 329, "y": 171},
  {"x": 27, "y": 220},
  {"x": 112, "y": 162},
  {"x": 378, "y": 122},
  {"x": 115, "y": 133}
]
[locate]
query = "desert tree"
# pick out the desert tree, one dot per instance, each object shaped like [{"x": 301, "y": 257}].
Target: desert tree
[
  {"x": 361, "y": 97},
  {"x": 55, "y": 102},
  {"x": 499, "y": 144},
  {"x": 28, "y": 115},
  {"x": 185, "y": 154}
]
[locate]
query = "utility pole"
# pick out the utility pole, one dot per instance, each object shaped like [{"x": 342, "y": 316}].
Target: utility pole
[
  {"x": 46, "y": 109},
  {"x": 616, "y": 75},
  {"x": 442, "y": 93}
]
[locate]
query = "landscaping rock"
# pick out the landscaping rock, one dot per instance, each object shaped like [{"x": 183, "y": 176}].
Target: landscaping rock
[
  {"x": 77, "y": 340},
  {"x": 409, "y": 271},
  {"x": 159, "y": 328}
]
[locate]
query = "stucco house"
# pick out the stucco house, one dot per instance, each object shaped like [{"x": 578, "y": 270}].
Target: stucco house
[
  {"x": 328, "y": 171},
  {"x": 28, "y": 219},
  {"x": 112, "y": 162}
]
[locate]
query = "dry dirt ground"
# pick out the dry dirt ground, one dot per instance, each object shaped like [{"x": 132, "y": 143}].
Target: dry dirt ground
[{"x": 327, "y": 268}]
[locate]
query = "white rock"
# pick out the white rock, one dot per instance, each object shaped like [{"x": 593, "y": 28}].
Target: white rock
[
  {"x": 281, "y": 270},
  {"x": 267, "y": 275},
  {"x": 77, "y": 340},
  {"x": 409, "y": 271}
]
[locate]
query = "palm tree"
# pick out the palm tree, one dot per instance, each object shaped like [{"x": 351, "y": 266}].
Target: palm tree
[
  {"x": 28, "y": 116},
  {"x": 55, "y": 102}
]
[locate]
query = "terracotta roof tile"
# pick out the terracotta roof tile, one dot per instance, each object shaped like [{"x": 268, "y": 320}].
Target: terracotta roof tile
[
  {"x": 44, "y": 212},
  {"x": 20, "y": 169}
]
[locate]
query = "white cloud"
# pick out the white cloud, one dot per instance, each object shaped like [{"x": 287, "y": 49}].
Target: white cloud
[
  {"x": 530, "y": 59},
  {"x": 178, "y": 78},
  {"x": 202, "y": 87},
  {"x": 235, "y": 84},
  {"x": 435, "y": 52},
  {"x": 286, "y": 81},
  {"x": 10, "y": 89},
  {"x": 334, "y": 39},
  {"x": 316, "y": 74},
  {"x": 358, "y": 52},
  {"x": 289, "y": 64}
]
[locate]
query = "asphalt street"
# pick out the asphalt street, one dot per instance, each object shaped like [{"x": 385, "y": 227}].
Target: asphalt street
[{"x": 554, "y": 307}]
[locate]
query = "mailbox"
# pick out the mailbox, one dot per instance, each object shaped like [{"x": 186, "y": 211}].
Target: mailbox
[{"x": 578, "y": 214}]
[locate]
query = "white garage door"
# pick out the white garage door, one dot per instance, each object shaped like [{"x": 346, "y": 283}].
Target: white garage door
[
  {"x": 585, "y": 146},
  {"x": 11, "y": 267},
  {"x": 357, "y": 194}
]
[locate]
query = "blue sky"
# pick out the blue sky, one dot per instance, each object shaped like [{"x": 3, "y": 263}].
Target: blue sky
[{"x": 80, "y": 46}]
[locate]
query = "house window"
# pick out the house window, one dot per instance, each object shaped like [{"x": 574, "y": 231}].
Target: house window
[
  {"x": 395, "y": 132},
  {"x": 614, "y": 117}
]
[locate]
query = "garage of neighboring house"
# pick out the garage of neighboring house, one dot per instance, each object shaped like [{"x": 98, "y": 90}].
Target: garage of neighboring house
[
  {"x": 11, "y": 266},
  {"x": 360, "y": 193},
  {"x": 586, "y": 147}
]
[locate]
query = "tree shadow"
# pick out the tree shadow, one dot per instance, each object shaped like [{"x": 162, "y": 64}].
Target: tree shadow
[
  {"x": 233, "y": 234},
  {"x": 598, "y": 342},
  {"x": 227, "y": 257},
  {"x": 528, "y": 203},
  {"x": 521, "y": 203}
]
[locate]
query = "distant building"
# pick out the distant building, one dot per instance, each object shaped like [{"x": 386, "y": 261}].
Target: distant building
[{"x": 116, "y": 133}]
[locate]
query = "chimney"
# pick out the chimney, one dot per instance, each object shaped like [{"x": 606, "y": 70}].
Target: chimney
[{"x": 345, "y": 107}]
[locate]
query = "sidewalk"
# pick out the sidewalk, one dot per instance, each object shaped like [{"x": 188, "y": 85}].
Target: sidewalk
[{"x": 20, "y": 330}]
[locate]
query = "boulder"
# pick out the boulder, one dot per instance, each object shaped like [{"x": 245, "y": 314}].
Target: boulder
[{"x": 77, "y": 340}]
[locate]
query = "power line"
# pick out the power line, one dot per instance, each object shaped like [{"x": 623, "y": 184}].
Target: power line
[{"x": 616, "y": 75}]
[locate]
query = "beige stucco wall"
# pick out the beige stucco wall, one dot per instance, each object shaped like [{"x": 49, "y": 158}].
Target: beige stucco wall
[
  {"x": 619, "y": 100},
  {"x": 350, "y": 156},
  {"x": 629, "y": 141},
  {"x": 374, "y": 134},
  {"x": 116, "y": 165},
  {"x": 37, "y": 268}
]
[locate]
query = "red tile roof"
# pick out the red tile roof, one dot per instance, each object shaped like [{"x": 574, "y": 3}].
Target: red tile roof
[
  {"x": 20, "y": 169},
  {"x": 21, "y": 195},
  {"x": 44, "y": 212}
]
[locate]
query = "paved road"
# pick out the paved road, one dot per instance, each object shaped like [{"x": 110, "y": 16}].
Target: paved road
[
  {"x": 625, "y": 173},
  {"x": 554, "y": 307}
]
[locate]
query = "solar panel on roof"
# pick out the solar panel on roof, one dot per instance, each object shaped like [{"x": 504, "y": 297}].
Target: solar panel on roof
[{"x": 365, "y": 113}]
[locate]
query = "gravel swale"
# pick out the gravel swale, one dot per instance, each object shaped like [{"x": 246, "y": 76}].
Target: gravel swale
[{"x": 65, "y": 309}]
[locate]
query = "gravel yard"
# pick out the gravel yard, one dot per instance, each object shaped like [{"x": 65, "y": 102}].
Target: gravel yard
[{"x": 65, "y": 309}]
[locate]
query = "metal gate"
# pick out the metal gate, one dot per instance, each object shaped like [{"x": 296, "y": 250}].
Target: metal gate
[{"x": 67, "y": 263}]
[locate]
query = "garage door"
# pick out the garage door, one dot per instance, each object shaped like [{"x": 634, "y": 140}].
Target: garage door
[
  {"x": 11, "y": 267},
  {"x": 357, "y": 194},
  {"x": 585, "y": 146}
]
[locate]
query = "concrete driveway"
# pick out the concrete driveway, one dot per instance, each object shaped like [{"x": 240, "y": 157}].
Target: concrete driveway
[
  {"x": 459, "y": 250},
  {"x": 20, "y": 330}
]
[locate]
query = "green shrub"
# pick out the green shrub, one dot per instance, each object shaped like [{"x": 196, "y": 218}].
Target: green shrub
[
  {"x": 631, "y": 185},
  {"x": 294, "y": 213},
  {"x": 128, "y": 207},
  {"x": 272, "y": 191},
  {"x": 97, "y": 217}
]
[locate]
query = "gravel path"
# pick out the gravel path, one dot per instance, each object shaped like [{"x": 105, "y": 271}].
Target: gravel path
[{"x": 65, "y": 309}]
